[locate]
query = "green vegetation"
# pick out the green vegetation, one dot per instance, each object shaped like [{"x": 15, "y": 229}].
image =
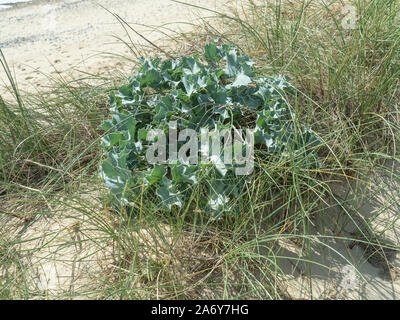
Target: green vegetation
[
  {"x": 345, "y": 88},
  {"x": 198, "y": 96}
]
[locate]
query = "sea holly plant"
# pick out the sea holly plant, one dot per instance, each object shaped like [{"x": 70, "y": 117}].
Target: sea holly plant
[{"x": 168, "y": 102}]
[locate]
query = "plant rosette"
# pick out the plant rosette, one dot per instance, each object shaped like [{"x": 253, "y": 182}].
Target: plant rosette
[{"x": 216, "y": 90}]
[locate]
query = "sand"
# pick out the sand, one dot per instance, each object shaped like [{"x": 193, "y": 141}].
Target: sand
[
  {"x": 338, "y": 270},
  {"x": 47, "y": 38}
]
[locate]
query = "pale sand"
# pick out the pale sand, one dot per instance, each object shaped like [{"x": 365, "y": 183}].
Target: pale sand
[
  {"x": 49, "y": 37},
  {"x": 331, "y": 253}
]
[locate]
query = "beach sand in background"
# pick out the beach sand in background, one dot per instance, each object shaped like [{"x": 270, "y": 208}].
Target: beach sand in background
[{"x": 48, "y": 38}]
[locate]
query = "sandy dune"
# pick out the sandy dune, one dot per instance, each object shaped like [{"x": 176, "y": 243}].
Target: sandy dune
[{"x": 60, "y": 37}]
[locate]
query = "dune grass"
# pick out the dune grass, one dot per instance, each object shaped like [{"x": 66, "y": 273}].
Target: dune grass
[{"x": 347, "y": 90}]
